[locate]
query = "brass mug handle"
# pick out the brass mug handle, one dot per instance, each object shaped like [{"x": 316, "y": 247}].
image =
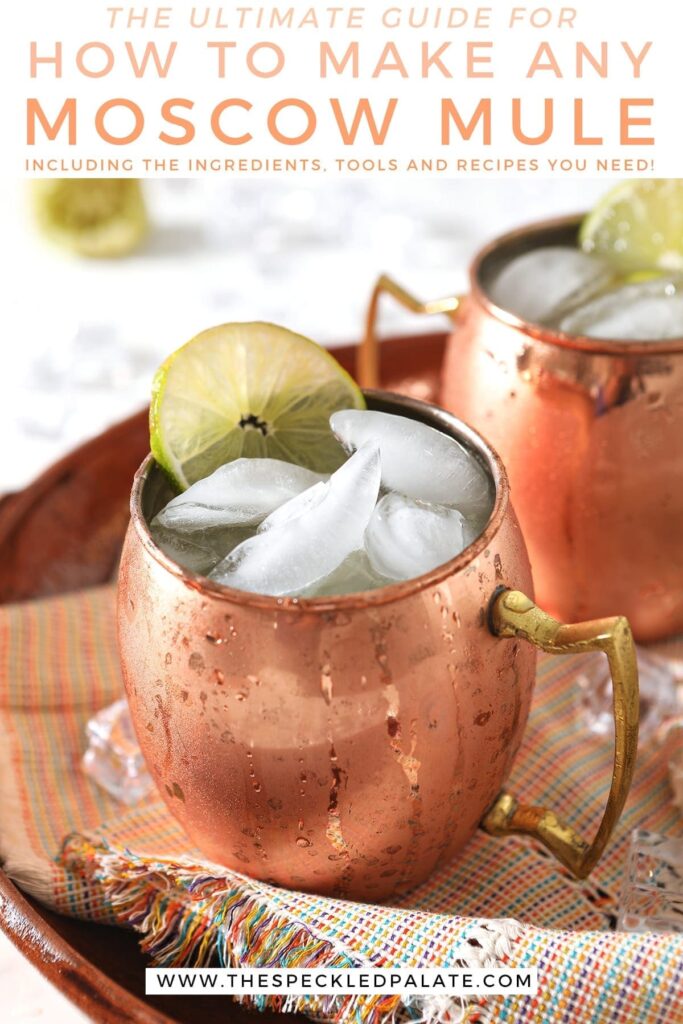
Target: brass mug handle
[
  {"x": 367, "y": 365},
  {"x": 512, "y": 614}
]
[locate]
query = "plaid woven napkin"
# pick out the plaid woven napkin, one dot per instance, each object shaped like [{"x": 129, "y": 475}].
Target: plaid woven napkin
[{"x": 502, "y": 903}]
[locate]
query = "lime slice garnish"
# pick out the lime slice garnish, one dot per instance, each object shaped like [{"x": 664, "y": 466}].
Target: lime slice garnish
[
  {"x": 98, "y": 217},
  {"x": 248, "y": 390},
  {"x": 638, "y": 226}
]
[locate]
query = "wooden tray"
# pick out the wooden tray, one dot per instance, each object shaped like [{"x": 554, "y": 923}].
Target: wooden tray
[{"x": 62, "y": 533}]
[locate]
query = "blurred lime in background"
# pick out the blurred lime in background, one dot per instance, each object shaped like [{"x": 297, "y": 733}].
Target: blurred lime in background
[{"x": 92, "y": 217}]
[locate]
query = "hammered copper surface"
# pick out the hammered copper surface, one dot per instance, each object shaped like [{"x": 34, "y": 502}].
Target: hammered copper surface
[
  {"x": 59, "y": 534},
  {"x": 591, "y": 435},
  {"x": 342, "y": 745}
]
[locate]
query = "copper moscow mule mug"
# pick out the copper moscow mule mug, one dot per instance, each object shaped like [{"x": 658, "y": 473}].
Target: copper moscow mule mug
[
  {"x": 591, "y": 434},
  {"x": 349, "y": 745}
]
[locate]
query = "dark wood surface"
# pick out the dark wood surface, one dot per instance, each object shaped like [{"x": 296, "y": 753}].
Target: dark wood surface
[{"x": 62, "y": 533}]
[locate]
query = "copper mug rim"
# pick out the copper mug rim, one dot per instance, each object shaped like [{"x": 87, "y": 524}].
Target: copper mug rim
[
  {"x": 511, "y": 614},
  {"x": 547, "y": 228},
  {"x": 427, "y": 412}
]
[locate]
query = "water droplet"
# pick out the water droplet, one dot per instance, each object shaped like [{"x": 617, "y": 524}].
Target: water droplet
[
  {"x": 216, "y": 640},
  {"x": 219, "y": 677},
  {"x": 303, "y": 842},
  {"x": 196, "y": 662}
]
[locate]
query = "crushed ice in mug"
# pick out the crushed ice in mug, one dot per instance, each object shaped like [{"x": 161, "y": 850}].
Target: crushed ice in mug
[
  {"x": 408, "y": 499},
  {"x": 568, "y": 290},
  {"x": 540, "y": 284},
  {"x": 650, "y": 310}
]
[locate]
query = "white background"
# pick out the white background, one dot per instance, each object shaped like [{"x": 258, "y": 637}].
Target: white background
[{"x": 80, "y": 341}]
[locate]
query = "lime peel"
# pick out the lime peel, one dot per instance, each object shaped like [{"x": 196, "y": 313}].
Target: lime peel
[
  {"x": 247, "y": 390},
  {"x": 638, "y": 226}
]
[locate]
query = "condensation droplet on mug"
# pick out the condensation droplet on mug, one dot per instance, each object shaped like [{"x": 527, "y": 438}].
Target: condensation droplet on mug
[
  {"x": 303, "y": 842},
  {"x": 196, "y": 662},
  {"x": 218, "y": 676},
  {"x": 216, "y": 640},
  {"x": 240, "y": 695}
]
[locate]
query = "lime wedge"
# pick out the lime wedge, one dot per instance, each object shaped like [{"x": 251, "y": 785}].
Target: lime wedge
[
  {"x": 248, "y": 390},
  {"x": 638, "y": 226},
  {"x": 96, "y": 217}
]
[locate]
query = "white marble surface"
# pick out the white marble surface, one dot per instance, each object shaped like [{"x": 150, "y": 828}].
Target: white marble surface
[{"x": 84, "y": 338}]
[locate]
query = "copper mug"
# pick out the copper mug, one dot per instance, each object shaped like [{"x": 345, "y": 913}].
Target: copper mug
[
  {"x": 591, "y": 434},
  {"x": 349, "y": 745}
]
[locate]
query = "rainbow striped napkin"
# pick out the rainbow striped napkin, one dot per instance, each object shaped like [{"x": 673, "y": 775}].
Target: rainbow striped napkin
[{"x": 503, "y": 902}]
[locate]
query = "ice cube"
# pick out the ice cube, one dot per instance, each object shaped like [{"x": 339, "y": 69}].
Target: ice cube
[
  {"x": 199, "y": 551},
  {"x": 418, "y": 460},
  {"x": 292, "y": 556},
  {"x": 202, "y": 525},
  {"x": 354, "y": 575},
  {"x": 406, "y": 538},
  {"x": 296, "y": 506},
  {"x": 642, "y": 311},
  {"x": 241, "y": 493},
  {"x": 541, "y": 284}
]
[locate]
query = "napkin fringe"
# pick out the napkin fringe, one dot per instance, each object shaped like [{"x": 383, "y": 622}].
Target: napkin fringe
[{"x": 190, "y": 918}]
